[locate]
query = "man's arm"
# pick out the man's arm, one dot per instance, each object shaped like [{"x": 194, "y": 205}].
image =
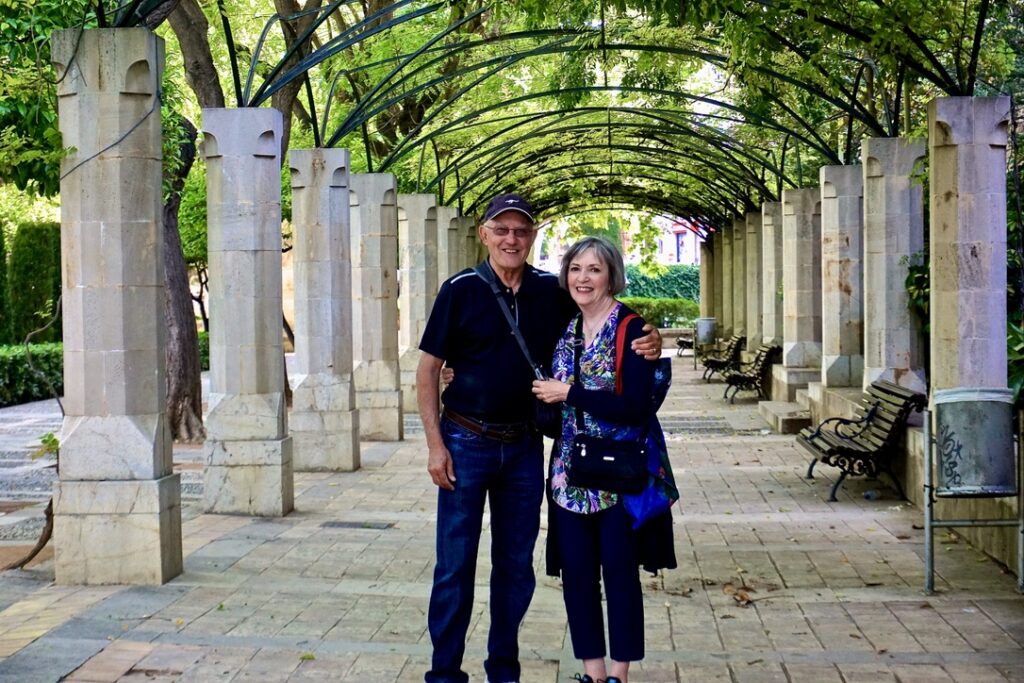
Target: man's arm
[{"x": 439, "y": 460}]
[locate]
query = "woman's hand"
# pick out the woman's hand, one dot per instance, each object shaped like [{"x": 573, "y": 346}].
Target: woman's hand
[{"x": 550, "y": 390}]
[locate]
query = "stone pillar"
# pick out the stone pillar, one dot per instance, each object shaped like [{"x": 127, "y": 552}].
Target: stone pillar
[
  {"x": 417, "y": 251},
  {"x": 117, "y": 505},
  {"x": 324, "y": 421},
  {"x": 893, "y": 233},
  {"x": 445, "y": 216},
  {"x": 457, "y": 244},
  {"x": 728, "y": 282},
  {"x": 248, "y": 449},
  {"x": 375, "y": 305},
  {"x": 719, "y": 274},
  {"x": 754, "y": 279},
  {"x": 801, "y": 278},
  {"x": 842, "y": 281},
  {"x": 739, "y": 277},
  {"x": 474, "y": 253},
  {"x": 801, "y": 283},
  {"x": 771, "y": 255},
  {"x": 967, "y": 162},
  {"x": 707, "y": 280}
]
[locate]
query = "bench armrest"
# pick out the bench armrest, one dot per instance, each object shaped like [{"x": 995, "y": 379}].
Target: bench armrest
[{"x": 861, "y": 424}]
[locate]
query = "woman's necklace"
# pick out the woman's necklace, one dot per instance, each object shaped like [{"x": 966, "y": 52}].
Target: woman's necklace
[{"x": 593, "y": 324}]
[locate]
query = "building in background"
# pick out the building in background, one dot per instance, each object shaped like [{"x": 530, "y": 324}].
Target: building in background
[{"x": 677, "y": 243}]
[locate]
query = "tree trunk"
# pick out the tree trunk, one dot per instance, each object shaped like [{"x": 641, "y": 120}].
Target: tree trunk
[
  {"x": 184, "y": 389},
  {"x": 190, "y": 27}
]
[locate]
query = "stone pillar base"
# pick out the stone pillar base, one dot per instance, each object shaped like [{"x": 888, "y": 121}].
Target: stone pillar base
[
  {"x": 842, "y": 371},
  {"x": 249, "y": 477},
  {"x": 912, "y": 378},
  {"x": 117, "y": 532},
  {"x": 785, "y": 381},
  {"x": 380, "y": 416},
  {"x": 324, "y": 425},
  {"x": 379, "y": 400},
  {"x": 802, "y": 354},
  {"x": 115, "y": 447},
  {"x": 408, "y": 361}
]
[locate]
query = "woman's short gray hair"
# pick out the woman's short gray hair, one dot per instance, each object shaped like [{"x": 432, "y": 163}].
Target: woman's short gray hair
[{"x": 606, "y": 252}]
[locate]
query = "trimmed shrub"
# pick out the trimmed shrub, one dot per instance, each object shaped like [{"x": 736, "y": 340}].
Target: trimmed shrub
[
  {"x": 678, "y": 282},
  {"x": 204, "y": 350},
  {"x": 33, "y": 281},
  {"x": 5, "y": 319},
  {"x": 665, "y": 312},
  {"x": 19, "y": 383}
]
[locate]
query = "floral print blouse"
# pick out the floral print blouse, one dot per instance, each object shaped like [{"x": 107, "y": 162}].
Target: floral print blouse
[{"x": 597, "y": 370}]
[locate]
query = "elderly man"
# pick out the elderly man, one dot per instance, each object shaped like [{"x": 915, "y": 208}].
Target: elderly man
[{"x": 483, "y": 444}]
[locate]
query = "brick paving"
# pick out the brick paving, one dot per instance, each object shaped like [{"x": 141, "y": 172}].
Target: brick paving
[{"x": 337, "y": 591}]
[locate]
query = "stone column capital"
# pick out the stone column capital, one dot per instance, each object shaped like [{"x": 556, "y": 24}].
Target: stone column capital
[
  {"x": 968, "y": 120},
  {"x": 308, "y": 164},
  {"x": 891, "y": 156},
  {"x": 842, "y": 181},
  {"x": 130, "y": 59},
  {"x": 380, "y": 188},
  {"x": 801, "y": 201},
  {"x": 241, "y": 132}
]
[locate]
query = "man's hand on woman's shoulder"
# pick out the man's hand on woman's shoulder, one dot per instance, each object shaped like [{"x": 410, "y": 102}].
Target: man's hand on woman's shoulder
[{"x": 648, "y": 346}]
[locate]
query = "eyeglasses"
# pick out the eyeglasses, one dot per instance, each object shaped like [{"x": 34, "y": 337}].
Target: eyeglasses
[{"x": 503, "y": 230}]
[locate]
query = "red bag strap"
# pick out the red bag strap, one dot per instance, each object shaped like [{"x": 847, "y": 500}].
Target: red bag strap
[{"x": 620, "y": 344}]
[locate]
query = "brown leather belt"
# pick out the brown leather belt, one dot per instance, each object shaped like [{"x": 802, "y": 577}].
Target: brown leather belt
[{"x": 507, "y": 432}]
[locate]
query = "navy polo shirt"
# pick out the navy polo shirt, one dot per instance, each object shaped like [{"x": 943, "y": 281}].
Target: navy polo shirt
[{"x": 469, "y": 332}]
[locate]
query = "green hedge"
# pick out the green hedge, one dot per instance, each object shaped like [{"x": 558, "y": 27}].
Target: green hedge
[
  {"x": 5, "y": 320},
  {"x": 33, "y": 281},
  {"x": 677, "y": 282},
  {"x": 665, "y": 312},
  {"x": 18, "y": 382},
  {"x": 204, "y": 350}
]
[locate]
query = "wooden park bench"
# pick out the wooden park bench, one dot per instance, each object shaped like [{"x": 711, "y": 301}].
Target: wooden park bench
[
  {"x": 865, "y": 445},
  {"x": 752, "y": 376},
  {"x": 728, "y": 358}
]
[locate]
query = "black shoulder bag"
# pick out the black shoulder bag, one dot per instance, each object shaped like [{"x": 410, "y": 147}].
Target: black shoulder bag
[
  {"x": 547, "y": 417},
  {"x": 606, "y": 464}
]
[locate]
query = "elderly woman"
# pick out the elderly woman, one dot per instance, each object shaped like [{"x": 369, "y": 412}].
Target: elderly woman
[{"x": 590, "y": 534}]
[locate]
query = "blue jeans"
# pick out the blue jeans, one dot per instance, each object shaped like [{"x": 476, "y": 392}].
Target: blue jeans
[{"x": 511, "y": 476}]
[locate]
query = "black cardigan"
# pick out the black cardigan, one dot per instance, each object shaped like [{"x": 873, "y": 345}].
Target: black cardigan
[{"x": 655, "y": 541}]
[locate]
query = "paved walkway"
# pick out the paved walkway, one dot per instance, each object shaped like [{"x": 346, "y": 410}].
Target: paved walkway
[{"x": 338, "y": 590}]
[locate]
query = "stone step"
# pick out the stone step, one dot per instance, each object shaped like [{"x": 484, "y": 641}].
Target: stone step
[
  {"x": 803, "y": 398},
  {"x": 784, "y": 417}
]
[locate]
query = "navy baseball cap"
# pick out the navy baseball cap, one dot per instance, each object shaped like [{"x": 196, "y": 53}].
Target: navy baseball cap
[{"x": 508, "y": 202}]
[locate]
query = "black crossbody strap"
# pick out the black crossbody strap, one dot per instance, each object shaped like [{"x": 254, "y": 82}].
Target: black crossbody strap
[
  {"x": 577, "y": 352},
  {"x": 487, "y": 275}
]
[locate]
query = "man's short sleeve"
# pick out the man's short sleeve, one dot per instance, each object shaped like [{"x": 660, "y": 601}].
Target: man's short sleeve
[{"x": 436, "y": 335}]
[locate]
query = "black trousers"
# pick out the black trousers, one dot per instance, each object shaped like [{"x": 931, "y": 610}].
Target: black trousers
[{"x": 591, "y": 546}]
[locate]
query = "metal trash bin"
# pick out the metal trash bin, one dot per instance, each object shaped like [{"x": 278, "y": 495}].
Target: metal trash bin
[
  {"x": 705, "y": 335},
  {"x": 974, "y": 443}
]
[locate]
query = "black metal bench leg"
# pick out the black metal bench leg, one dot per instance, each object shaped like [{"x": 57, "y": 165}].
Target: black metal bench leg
[
  {"x": 725, "y": 394},
  {"x": 835, "y": 487},
  {"x": 810, "y": 468},
  {"x": 735, "y": 390}
]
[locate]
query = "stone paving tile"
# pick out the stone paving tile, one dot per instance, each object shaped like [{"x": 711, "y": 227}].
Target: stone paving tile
[{"x": 324, "y": 594}]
